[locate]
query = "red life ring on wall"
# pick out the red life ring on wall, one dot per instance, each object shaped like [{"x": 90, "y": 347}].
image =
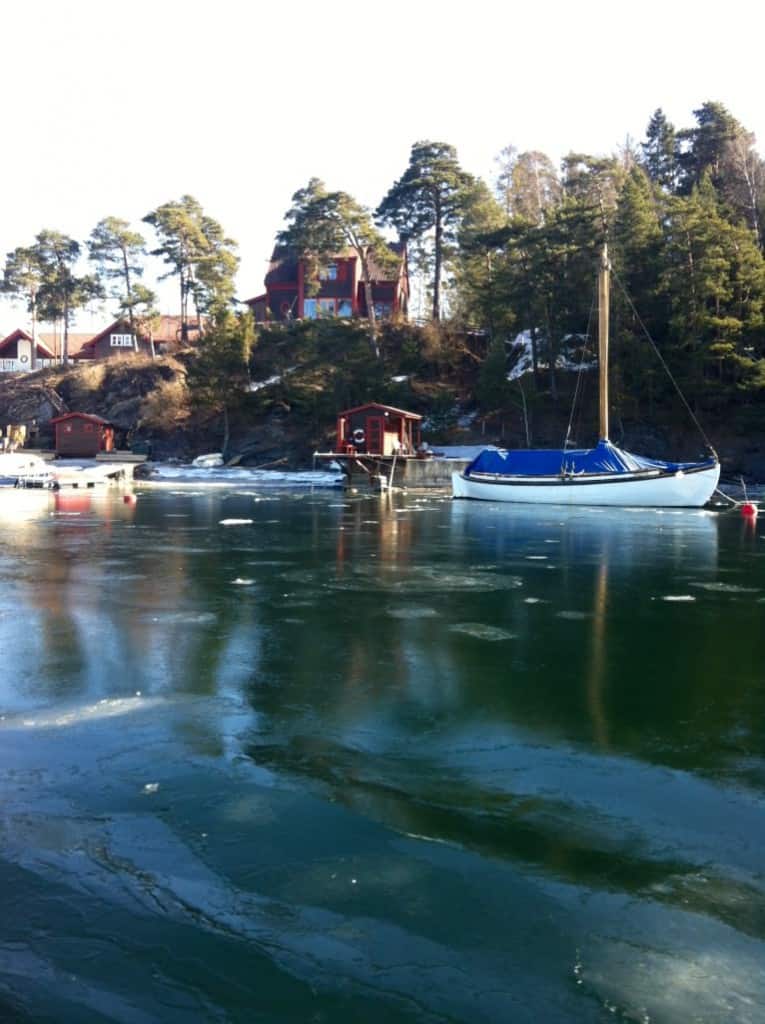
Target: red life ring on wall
[
  {"x": 358, "y": 436},
  {"x": 23, "y": 359}
]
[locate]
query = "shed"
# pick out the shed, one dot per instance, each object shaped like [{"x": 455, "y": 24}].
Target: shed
[
  {"x": 83, "y": 435},
  {"x": 375, "y": 429}
]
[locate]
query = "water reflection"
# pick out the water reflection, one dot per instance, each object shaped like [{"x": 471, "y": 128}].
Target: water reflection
[{"x": 352, "y": 706}]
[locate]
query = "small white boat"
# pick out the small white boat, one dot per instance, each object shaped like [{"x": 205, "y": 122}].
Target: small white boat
[
  {"x": 604, "y": 475},
  {"x": 19, "y": 469}
]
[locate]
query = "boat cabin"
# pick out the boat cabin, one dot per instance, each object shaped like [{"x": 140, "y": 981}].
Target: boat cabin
[
  {"x": 375, "y": 429},
  {"x": 82, "y": 435}
]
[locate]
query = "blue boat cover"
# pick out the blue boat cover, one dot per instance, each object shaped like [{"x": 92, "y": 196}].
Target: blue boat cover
[{"x": 536, "y": 462}]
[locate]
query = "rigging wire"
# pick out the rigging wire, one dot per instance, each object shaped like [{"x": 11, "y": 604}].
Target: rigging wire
[
  {"x": 664, "y": 364},
  {"x": 577, "y": 387}
]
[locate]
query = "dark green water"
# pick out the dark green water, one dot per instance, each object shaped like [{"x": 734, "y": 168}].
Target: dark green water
[{"x": 379, "y": 760}]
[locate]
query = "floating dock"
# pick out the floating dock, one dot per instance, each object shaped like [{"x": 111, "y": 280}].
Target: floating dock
[{"x": 406, "y": 471}]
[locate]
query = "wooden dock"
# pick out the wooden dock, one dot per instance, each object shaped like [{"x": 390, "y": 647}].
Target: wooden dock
[
  {"x": 87, "y": 476},
  {"x": 384, "y": 471}
]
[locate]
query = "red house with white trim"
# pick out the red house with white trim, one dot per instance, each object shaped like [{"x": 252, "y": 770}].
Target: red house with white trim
[
  {"x": 19, "y": 353},
  {"x": 341, "y": 288},
  {"x": 114, "y": 341}
]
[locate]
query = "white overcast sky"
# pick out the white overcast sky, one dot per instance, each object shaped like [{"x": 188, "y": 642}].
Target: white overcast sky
[{"x": 113, "y": 108}]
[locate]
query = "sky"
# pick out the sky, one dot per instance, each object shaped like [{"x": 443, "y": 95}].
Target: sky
[{"x": 111, "y": 109}]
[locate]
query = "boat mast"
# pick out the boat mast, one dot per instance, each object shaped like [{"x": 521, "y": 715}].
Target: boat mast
[{"x": 603, "y": 304}]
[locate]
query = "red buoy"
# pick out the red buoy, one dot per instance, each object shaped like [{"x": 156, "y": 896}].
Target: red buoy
[
  {"x": 749, "y": 509},
  {"x": 129, "y": 499}
]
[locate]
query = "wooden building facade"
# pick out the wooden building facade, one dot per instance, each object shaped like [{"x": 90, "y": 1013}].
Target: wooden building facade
[
  {"x": 341, "y": 291},
  {"x": 116, "y": 340},
  {"x": 82, "y": 435},
  {"x": 19, "y": 353},
  {"x": 375, "y": 429}
]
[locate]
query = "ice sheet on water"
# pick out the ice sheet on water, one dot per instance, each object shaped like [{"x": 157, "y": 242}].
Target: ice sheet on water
[
  {"x": 678, "y": 597},
  {"x": 423, "y": 579},
  {"x": 232, "y": 476},
  {"x": 726, "y": 588},
  {"x": 182, "y": 618},
  {"x": 412, "y": 612},
  {"x": 235, "y": 522},
  {"x": 60, "y": 717},
  {"x": 573, "y": 616},
  {"x": 242, "y": 582},
  {"x": 481, "y": 631}
]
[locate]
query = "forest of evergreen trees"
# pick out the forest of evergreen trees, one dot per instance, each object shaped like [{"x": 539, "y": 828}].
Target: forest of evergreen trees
[{"x": 682, "y": 213}]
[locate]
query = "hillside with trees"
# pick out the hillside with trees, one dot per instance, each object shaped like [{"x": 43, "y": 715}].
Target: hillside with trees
[{"x": 505, "y": 277}]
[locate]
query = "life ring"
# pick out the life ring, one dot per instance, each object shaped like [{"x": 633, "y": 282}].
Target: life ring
[
  {"x": 23, "y": 359},
  {"x": 358, "y": 436}
]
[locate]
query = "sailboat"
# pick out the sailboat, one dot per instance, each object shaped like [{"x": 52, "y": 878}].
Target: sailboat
[{"x": 603, "y": 475}]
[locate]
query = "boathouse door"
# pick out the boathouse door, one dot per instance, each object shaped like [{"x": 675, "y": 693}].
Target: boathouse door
[{"x": 375, "y": 427}]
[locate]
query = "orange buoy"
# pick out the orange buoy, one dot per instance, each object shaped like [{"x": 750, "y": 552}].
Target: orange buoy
[{"x": 749, "y": 509}]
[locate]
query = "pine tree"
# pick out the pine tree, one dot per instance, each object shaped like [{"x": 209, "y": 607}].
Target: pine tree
[
  {"x": 62, "y": 291},
  {"x": 22, "y": 279},
  {"x": 429, "y": 199},
  {"x": 198, "y": 252},
  {"x": 660, "y": 152},
  {"x": 218, "y": 376},
  {"x": 117, "y": 252}
]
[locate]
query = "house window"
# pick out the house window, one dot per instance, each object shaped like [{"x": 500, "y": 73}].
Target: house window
[
  {"x": 121, "y": 340},
  {"x": 383, "y": 309},
  {"x": 328, "y": 273},
  {"x": 313, "y": 308}
]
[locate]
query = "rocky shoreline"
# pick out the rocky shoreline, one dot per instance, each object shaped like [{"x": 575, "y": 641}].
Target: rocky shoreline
[{"x": 148, "y": 404}]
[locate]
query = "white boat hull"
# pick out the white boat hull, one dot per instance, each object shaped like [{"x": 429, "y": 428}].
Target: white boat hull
[
  {"x": 18, "y": 469},
  {"x": 682, "y": 489}
]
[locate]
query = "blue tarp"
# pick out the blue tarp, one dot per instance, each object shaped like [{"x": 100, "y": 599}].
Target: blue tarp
[{"x": 604, "y": 458}]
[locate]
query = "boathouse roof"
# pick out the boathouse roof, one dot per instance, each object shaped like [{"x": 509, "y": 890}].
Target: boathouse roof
[
  {"x": 385, "y": 408},
  {"x": 82, "y": 416}
]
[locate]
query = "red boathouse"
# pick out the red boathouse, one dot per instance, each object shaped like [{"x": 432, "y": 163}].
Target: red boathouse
[
  {"x": 82, "y": 435},
  {"x": 375, "y": 429}
]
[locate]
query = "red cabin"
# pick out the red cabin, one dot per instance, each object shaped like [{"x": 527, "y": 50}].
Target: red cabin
[
  {"x": 82, "y": 435},
  {"x": 341, "y": 291},
  {"x": 375, "y": 429}
]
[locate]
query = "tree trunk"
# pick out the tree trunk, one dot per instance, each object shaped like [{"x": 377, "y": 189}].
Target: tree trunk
[
  {"x": 33, "y": 309},
  {"x": 226, "y": 433},
  {"x": 437, "y": 270},
  {"x": 369, "y": 299},
  {"x": 65, "y": 344},
  {"x": 129, "y": 296}
]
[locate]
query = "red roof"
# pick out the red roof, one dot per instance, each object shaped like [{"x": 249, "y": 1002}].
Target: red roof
[
  {"x": 91, "y": 417},
  {"x": 385, "y": 408},
  {"x": 54, "y": 341},
  {"x": 19, "y": 335}
]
